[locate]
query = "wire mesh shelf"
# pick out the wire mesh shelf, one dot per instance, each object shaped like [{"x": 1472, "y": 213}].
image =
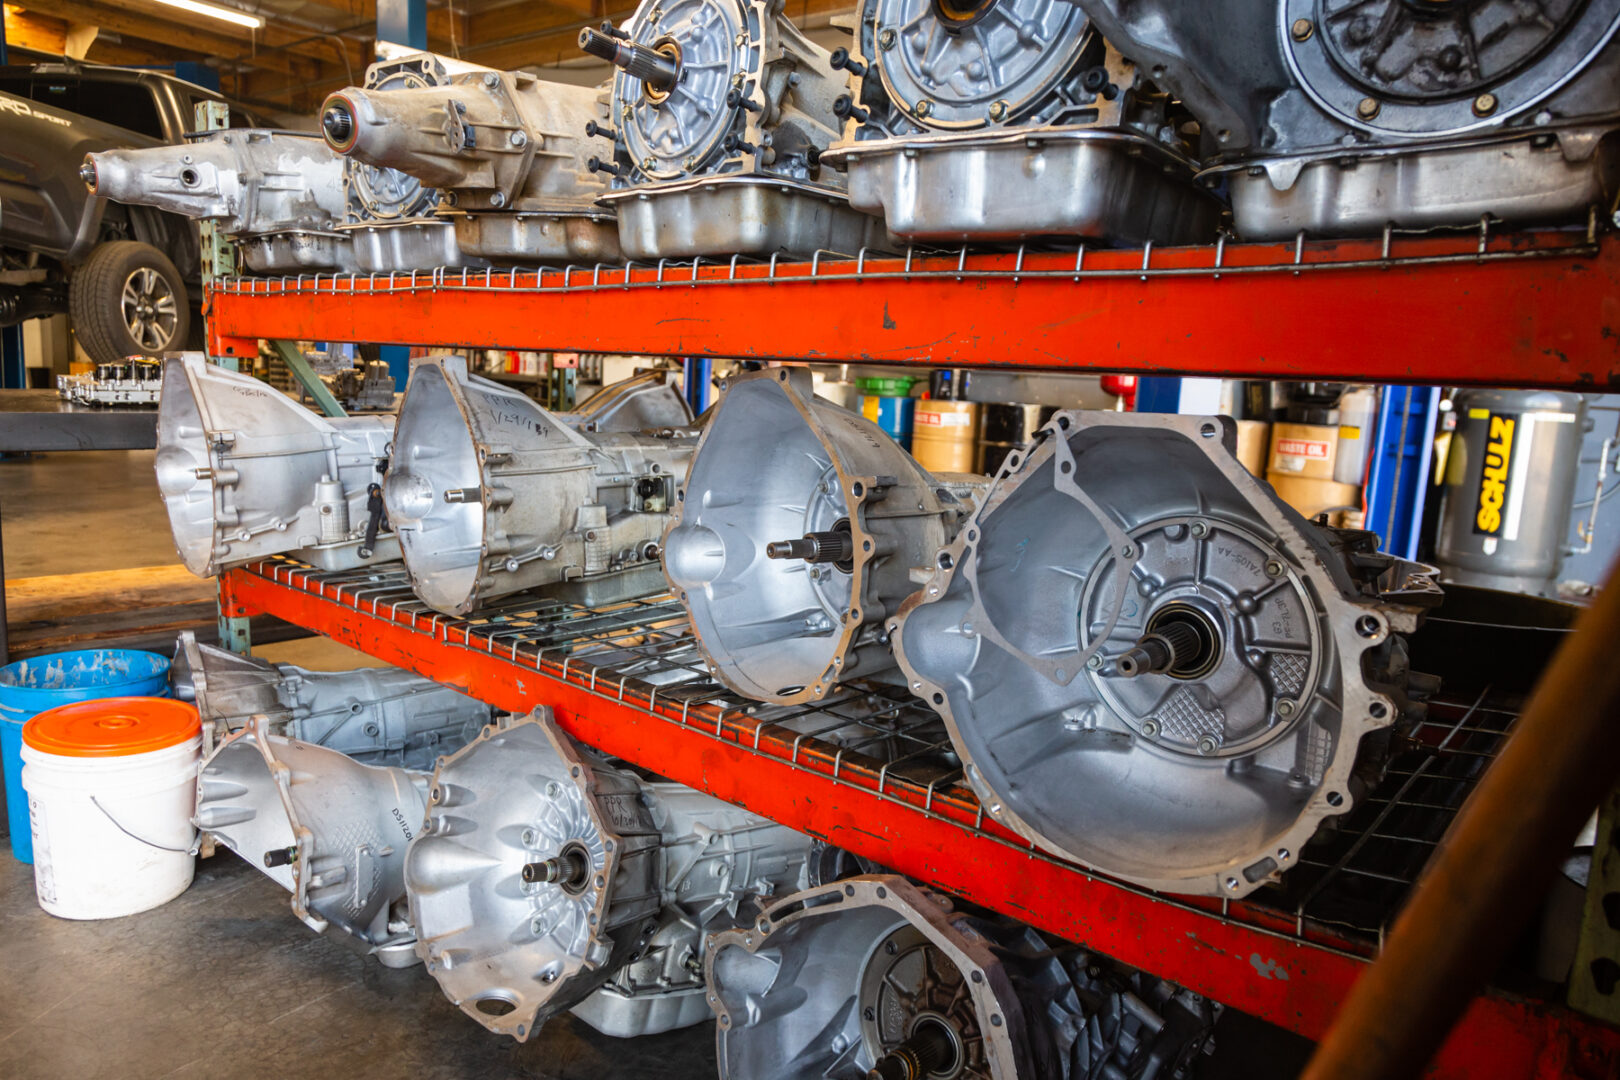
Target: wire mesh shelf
[
  {"x": 642, "y": 654},
  {"x": 1393, "y": 249}
]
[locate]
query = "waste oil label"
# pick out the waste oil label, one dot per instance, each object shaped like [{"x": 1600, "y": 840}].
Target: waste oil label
[
  {"x": 1292, "y": 455},
  {"x": 1495, "y": 473}
]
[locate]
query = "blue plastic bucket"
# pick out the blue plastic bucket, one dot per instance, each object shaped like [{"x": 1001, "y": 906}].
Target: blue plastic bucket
[{"x": 44, "y": 682}]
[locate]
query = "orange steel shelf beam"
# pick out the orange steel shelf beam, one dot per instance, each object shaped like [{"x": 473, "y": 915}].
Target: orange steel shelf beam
[
  {"x": 1534, "y": 309},
  {"x": 1265, "y": 971}
]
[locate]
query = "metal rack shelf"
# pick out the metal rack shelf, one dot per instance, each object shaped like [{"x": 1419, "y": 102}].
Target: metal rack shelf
[
  {"x": 1519, "y": 309},
  {"x": 871, "y": 771}
]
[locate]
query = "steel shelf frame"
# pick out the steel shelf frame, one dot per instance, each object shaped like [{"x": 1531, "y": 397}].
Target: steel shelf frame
[
  {"x": 1470, "y": 308},
  {"x": 627, "y": 680},
  {"x": 1540, "y": 308}
]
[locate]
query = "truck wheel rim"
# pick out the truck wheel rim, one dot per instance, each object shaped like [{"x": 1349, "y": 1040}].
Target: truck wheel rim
[{"x": 149, "y": 309}]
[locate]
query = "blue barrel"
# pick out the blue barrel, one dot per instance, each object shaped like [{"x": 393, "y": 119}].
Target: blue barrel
[
  {"x": 32, "y": 686},
  {"x": 888, "y": 404}
]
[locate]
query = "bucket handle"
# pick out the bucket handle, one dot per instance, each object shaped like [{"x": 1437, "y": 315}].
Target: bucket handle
[{"x": 190, "y": 850}]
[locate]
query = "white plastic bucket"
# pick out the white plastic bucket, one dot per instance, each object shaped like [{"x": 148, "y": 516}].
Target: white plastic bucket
[{"x": 112, "y": 835}]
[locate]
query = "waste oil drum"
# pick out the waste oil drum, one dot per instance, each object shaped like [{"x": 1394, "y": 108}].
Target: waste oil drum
[{"x": 29, "y": 687}]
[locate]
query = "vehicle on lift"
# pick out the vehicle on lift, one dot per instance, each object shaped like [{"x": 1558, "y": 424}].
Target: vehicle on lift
[{"x": 129, "y": 276}]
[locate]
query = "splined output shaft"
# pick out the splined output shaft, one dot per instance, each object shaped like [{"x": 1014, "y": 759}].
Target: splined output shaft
[
  {"x": 927, "y": 1051},
  {"x": 1171, "y": 645},
  {"x": 570, "y": 869},
  {"x": 338, "y": 123},
  {"x": 657, "y": 69},
  {"x": 834, "y": 546}
]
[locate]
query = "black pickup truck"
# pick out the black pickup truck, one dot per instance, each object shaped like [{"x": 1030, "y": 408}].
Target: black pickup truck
[{"x": 127, "y": 275}]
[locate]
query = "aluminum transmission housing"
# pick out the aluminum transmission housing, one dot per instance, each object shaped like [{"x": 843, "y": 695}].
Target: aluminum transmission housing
[
  {"x": 377, "y": 716},
  {"x": 1005, "y": 120},
  {"x": 1150, "y": 665},
  {"x": 1342, "y": 116},
  {"x": 287, "y": 199},
  {"x": 717, "y": 124},
  {"x": 877, "y": 977},
  {"x": 508, "y": 150},
  {"x": 490, "y": 494},
  {"x": 390, "y": 216},
  {"x": 246, "y": 472},
  {"x": 548, "y": 879},
  {"x": 782, "y": 619},
  {"x": 329, "y": 830},
  {"x": 279, "y": 195},
  {"x": 643, "y": 402}
]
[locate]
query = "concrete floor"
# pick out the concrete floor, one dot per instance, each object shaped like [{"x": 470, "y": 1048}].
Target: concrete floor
[
  {"x": 224, "y": 981},
  {"x": 63, "y": 513}
]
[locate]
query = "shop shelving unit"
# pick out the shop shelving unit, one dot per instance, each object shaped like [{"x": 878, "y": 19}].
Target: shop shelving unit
[{"x": 870, "y": 771}]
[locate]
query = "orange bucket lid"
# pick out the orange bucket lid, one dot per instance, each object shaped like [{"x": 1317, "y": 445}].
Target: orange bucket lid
[{"x": 112, "y": 727}]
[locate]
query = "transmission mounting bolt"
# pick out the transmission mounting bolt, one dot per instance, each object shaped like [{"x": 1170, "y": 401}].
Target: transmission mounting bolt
[
  {"x": 1285, "y": 708},
  {"x": 998, "y": 110},
  {"x": 1207, "y": 745},
  {"x": 1485, "y": 104},
  {"x": 1150, "y": 728},
  {"x": 922, "y": 108},
  {"x": 1302, "y": 29},
  {"x": 886, "y": 39},
  {"x": 1367, "y": 108}
]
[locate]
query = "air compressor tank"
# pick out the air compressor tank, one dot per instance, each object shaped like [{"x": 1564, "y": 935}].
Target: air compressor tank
[{"x": 1510, "y": 488}]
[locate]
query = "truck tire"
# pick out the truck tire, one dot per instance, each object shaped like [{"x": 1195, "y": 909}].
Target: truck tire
[{"x": 128, "y": 300}]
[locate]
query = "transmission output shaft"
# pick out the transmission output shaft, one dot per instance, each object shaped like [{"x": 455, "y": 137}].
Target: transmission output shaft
[{"x": 656, "y": 68}]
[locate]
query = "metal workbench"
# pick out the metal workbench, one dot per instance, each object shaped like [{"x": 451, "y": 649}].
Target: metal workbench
[{"x": 39, "y": 421}]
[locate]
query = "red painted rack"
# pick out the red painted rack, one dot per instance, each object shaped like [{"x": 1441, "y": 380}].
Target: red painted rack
[
  {"x": 865, "y": 772},
  {"x": 1518, "y": 309}
]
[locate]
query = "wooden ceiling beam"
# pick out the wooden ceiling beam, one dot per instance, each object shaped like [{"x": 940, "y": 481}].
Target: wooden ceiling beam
[
  {"x": 268, "y": 39},
  {"x": 160, "y": 32},
  {"x": 46, "y": 38},
  {"x": 33, "y": 32},
  {"x": 510, "y": 20},
  {"x": 123, "y": 53},
  {"x": 302, "y": 99},
  {"x": 444, "y": 24}
]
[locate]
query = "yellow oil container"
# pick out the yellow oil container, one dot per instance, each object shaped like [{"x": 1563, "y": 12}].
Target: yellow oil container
[{"x": 942, "y": 435}]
